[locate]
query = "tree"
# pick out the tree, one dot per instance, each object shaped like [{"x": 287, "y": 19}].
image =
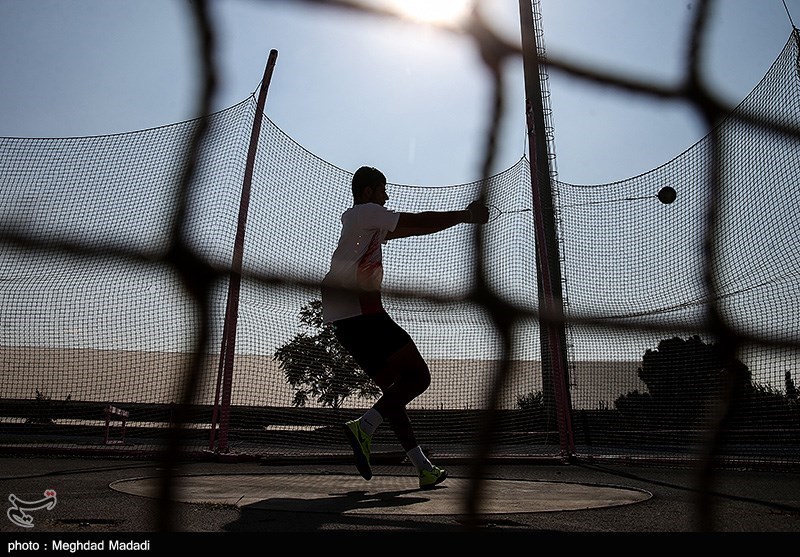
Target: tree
[
  {"x": 534, "y": 411},
  {"x": 683, "y": 376},
  {"x": 43, "y": 407},
  {"x": 317, "y": 366},
  {"x": 791, "y": 389},
  {"x": 534, "y": 400}
]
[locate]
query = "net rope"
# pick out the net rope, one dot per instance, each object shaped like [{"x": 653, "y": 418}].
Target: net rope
[{"x": 94, "y": 313}]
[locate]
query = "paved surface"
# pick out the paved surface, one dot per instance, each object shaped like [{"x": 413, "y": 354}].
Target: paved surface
[
  {"x": 382, "y": 496},
  {"x": 102, "y": 497}
]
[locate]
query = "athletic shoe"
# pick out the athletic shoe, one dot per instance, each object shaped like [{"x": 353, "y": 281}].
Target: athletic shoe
[
  {"x": 430, "y": 478},
  {"x": 361, "y": 443}
]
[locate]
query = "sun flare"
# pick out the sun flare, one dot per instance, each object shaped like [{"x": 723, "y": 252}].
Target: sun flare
[{"x": 449, "y": 13}]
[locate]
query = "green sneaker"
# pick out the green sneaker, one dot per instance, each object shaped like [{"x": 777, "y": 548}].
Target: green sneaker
[
  {"x": 361, "y": 443},
  {"x": 430, "y": 478}
]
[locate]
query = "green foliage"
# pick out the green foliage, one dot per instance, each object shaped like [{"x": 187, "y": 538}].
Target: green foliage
[
  {"x": 317, "y": 366},
  {"x": 684, "y": 377},
  {"x": 43, "y": 407},
  {"x": 531, "y": 401},
  {"x": 533, "y": 408},
  {"x": 791, "y": 390}
]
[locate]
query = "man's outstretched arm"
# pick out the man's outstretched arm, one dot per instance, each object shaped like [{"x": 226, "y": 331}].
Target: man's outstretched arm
[{"x": 428, "y": 222}]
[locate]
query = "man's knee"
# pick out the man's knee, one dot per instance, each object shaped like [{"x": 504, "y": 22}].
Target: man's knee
[
  {"x": 411, "y": 370},
  {"x": 418, "y": 379}
]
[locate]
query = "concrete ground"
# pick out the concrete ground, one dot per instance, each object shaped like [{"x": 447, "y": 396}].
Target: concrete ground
[{"x": 206, "y": 501}]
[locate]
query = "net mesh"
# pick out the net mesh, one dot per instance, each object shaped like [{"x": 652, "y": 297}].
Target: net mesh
[
  {"x": 650, "y": 297},
  {"x": 100, "y": 330}
]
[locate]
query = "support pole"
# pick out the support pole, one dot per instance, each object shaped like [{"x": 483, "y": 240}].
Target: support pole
[
  {"x": 555, "y": 371},
  {"x": 222, "y": 405}
]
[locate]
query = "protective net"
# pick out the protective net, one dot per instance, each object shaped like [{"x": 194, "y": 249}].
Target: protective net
[
  {"x": 643, "y": 275},
  {"x": 101, "y": 327}
]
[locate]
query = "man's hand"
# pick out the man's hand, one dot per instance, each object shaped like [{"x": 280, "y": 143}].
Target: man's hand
[{"x": 478, "y": 213}]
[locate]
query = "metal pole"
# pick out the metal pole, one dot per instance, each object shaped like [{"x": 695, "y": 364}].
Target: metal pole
[
  {"x": 228, "y": 349},
  {"x": 555, "y": 374}
]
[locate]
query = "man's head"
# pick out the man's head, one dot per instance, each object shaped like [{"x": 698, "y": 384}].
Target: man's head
[{"x": 369, "y": 186}]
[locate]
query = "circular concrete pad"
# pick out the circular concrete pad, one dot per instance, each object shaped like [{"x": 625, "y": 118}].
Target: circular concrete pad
[{"x": 383, "y": 495}]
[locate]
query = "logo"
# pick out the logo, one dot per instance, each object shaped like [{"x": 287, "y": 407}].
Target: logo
[{"x": 17, "y": 512}]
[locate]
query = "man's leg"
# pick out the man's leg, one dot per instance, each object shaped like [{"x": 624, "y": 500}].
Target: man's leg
[
  {"x": 405, "y": 377},
  {"x": 402, "y": 377}
]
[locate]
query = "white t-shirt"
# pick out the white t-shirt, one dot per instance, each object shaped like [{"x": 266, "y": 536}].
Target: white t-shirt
[{"x": 357, "y": 263}]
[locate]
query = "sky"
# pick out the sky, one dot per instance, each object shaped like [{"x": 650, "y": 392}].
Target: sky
[{"x": 356, "y": 89}]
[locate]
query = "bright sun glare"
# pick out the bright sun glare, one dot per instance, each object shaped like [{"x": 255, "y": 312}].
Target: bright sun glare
[{"x": 439, "y": 12}]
